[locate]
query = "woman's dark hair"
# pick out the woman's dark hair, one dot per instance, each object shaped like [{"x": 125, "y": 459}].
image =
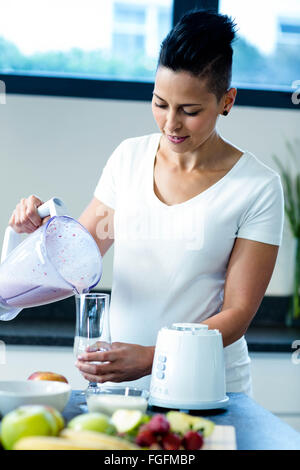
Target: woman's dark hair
[{"x": 201, "y": 43}]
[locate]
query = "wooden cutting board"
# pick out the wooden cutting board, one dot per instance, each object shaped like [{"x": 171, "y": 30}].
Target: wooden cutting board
[{"x": 222, "y": 438}]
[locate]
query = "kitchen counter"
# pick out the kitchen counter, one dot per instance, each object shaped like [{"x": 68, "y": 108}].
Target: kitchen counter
[
  {"x": 256, "y": 428},
  {"x": 24, "y": 330},
  {"x": 54, "y": 325}
]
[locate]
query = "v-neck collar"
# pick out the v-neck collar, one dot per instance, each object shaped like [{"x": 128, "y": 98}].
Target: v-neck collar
[{"x": 156, "y": 142}]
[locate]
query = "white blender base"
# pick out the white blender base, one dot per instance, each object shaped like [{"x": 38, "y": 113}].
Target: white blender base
[{"x": 200, "y": 405}]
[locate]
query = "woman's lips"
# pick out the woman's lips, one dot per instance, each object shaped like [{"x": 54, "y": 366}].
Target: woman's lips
[{"x": 176, "y": 140}]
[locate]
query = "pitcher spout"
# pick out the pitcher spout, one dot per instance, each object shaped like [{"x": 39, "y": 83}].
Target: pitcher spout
[{"x": 7, "y": 313}]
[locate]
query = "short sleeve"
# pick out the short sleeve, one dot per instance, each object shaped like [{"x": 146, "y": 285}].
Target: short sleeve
[
  {"x": 106, "y": 189},
  {"x": 263, "y": 220}
]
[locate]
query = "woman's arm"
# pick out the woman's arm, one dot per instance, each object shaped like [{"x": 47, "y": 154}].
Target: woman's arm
[
  {"x": 122, "y": 362},
  {"x": 98, "y": 219},
  {"x": 249, "y": 272}
]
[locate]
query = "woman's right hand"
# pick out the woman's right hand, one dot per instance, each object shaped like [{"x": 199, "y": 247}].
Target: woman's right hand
[{"x": 25, "y": 217}]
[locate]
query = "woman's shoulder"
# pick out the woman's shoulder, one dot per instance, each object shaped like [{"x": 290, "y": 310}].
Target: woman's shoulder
[
  {"x": 258, "y": 169},
  {"x": 141, "y": 141},
  {"x": 134, "y": 152},
  {"x": 249, "y": 164}
]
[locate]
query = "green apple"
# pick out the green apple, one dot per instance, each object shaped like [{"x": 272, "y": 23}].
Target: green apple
[
  {"x": 98, "y": 422},
  {"x": 128, "y": 421},
  {"x": 28, "y": 420},
  {"x": 60, "y": 423},
  {"x": 182, "y": 422}
]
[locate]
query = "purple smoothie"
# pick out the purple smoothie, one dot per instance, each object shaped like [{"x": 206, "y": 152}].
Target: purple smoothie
[{"x": 56, "y": 261}]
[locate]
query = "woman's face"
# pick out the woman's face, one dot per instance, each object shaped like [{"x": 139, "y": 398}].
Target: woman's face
[{"x": 182, "y": 107}]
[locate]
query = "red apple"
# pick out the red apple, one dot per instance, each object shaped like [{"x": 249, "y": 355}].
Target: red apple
[{"x": 48, "y": 376}]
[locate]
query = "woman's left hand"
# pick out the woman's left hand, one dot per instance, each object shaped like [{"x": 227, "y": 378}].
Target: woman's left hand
[{"x": 120, "y": 363}]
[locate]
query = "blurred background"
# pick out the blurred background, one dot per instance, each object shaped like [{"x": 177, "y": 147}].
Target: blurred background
[
  {"x": 97, "y": 61},
  {"x": 77, "y": 79}
]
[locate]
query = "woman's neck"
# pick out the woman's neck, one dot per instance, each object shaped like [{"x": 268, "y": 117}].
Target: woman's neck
[{"x": 207, "y": 156}]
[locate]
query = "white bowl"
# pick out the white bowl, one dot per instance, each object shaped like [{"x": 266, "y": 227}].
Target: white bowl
[
  {"x": 15, "y": 393},
  {"x": 107, "y": 399}
]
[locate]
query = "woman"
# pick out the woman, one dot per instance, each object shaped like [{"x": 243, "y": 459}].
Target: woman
[{"x": 196, "y": 221}]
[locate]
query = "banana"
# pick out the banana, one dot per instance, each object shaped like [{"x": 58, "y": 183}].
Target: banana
[
  {"x": 104, "y": 441},
  {"x": 53, "y": 443},
  {"x": 75, "y": 440}
]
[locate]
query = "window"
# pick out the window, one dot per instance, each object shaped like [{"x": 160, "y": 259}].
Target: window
[
  {"x": 127, "y": 13},
  {"x": 266, "y": 54},
  {"x": 110, "y": 39},
  {"x": 164, "y": 22},
  {"x": 128, "y": 44},
  {"x": 290, "y": 30},
  {"x": 109, "y": 48}
]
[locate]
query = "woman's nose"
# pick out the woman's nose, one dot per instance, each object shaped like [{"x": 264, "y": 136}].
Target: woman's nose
[{"x": 172, "y": 122}]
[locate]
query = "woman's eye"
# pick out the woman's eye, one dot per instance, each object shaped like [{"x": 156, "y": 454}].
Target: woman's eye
[
  {"x": 192, "y": 114},
  {"x": 188, "y": 114}
]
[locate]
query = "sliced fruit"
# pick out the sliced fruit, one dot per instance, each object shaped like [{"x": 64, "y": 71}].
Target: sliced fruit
[
  {"x": 182, "y": 422},
  {"x": 60, "y": 423},
  {"x": 126, "y": 421},
  {"x": 205, "y": 426},
  {"x": 179, "y": 422},
  {"x": 92, "y": 422}
]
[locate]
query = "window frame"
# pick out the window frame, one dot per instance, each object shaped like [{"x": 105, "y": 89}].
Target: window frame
[{"x": 132, "y": 90}]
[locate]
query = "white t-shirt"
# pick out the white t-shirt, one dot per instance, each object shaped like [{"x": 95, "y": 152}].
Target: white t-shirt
[{"x": 170, "y": 261}]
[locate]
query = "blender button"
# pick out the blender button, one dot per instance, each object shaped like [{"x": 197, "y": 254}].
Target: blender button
[
  {"x": 162, "y": 358},
  {"x": 160, "y": 375},
  {"x": 161, "y": 366}
]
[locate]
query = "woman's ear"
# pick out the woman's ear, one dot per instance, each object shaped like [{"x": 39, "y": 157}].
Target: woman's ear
[
  {"x": 230, "y": 98},
  {"x": 228, "y": 101}
]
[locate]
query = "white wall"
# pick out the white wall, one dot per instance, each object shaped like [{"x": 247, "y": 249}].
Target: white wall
[
  {"x": 58, "y": 146},
  {"x": 40, "y": 358},
  {"x": 276, "y": 384}
]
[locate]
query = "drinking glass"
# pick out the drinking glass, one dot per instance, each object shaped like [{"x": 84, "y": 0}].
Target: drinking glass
[{"x": 92, "y": 324}]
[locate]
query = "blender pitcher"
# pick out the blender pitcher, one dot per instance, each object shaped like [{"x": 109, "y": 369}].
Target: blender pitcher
[{"x": 58, "y": 260}]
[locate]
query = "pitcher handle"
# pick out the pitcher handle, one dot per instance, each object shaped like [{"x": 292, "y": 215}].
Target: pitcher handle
[{"x": 53, "y": 207}]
